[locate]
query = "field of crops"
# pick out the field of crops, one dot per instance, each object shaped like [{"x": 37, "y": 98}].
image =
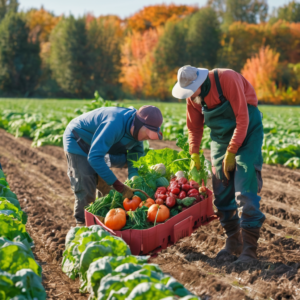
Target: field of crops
[
  {"x": 38, "y": 177},
  {"x": 44, "y": 121}
]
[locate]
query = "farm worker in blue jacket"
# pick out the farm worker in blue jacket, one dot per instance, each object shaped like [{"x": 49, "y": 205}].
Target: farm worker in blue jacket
[{"x": 103, "y": 138}]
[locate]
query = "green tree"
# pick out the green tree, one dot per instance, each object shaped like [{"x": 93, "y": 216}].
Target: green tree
[
  {"x": 7, "y": 6},
  {"x": 69, "y": 57},
  {"x": 289, "y": 12},
  {"x": 194, "y": 41},
  {"x": 105, "y": 57},
  {"x": 203, "y": 40},
  {"x": 171, "y": 51},
  {"x": 249, "y": 11},
  {"x": 19, "y": 57}
]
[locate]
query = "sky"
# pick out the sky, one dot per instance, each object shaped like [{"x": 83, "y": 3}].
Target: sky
[{"x": 122, "y": 8}]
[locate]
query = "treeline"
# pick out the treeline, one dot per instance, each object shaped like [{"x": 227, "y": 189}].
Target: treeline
[{"x": 43, "y": 55}]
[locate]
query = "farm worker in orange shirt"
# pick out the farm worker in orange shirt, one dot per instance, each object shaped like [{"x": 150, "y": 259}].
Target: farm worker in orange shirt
[{"x": 226, "y": 102}]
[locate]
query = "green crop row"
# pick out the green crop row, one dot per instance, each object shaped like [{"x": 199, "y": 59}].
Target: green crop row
[
  {"x": 107, "y": 270},
  {"x": 281, "y": 125},
  {"x": 20, "y": 274}
]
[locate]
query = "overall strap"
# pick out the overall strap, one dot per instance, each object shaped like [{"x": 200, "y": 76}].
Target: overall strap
[
  {"x": 85, "y": 147},
  {"x": 221, "y": 96}
]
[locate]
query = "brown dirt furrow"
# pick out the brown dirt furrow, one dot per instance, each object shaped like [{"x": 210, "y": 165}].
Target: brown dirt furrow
[{"x": 38, "y": 177}]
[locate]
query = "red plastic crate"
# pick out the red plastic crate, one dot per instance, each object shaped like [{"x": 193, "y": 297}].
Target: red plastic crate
[{"x": 162, "y": 235}]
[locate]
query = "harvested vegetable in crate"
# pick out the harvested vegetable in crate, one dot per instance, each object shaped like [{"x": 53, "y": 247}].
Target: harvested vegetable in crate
[
  {"x": 138, "y": 219},
  {"x": 102, "y": 205}
]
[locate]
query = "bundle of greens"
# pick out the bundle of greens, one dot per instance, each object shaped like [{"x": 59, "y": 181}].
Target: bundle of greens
[
  {"x": 102, "y": 205},
  {"x": 137, "y": 219}
]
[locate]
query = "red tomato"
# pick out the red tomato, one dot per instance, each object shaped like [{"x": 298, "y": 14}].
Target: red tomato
[
  {"x": 182, "y": 180},
  {"x": 171, "y": 201},
  {"x": 162, "y": 214},
  {"x": 182, "y": 195},
  {"x": 159, "y": 201},
  {"x": 186, "y": 187},
  {"x": 174, "y": 184},
  {"x": 161, "y": 196},
  {"x": 194, "y": 184},
  {"x": 173, "y": 195},
  {"x": 175, "y": 191},
  {"x": 193, "y": 191}
]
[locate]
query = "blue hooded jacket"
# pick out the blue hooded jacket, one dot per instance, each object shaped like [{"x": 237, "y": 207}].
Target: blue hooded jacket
[{"x": 107, "y": 131}]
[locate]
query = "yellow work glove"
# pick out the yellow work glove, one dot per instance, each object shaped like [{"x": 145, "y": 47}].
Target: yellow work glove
[
  {"x": 195, "y": 162},
  {"x": 228, "y": 163}
]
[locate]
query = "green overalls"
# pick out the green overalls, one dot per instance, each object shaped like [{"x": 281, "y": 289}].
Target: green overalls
[{"x": 245, "y": 182}]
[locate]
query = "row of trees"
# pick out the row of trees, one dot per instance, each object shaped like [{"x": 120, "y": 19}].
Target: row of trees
[{"x": 56, "y": 56}]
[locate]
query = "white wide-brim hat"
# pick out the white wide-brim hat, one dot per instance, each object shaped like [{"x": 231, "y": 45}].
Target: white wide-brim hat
[{"x": 189, "y": 79}]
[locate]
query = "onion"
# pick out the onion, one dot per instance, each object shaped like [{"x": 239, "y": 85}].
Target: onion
[{"x": 180, "y": 174}]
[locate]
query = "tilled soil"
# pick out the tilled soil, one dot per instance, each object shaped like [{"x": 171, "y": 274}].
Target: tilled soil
[{"x": 39, "y": 178}]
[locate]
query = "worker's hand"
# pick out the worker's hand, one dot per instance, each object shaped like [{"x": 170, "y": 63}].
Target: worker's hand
[
  {"x": 125, "y": 190},
  {"x": 228, "y": 163},
  {"x": 195, "y": 162},
  {"x": 103, "y": 187}
]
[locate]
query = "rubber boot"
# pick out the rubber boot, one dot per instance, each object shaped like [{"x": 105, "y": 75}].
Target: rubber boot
[
  {"x": 234, "y": 242},
  {"x": 103, "y": 187},
  {"x": 250, "y": 238},
  {"x": 80, "y": 224}
]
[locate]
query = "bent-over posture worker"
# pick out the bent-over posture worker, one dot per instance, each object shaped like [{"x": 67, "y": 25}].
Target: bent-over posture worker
[
  {"x": 103, "y": 138},
  {"x": 227, "y": 103}
]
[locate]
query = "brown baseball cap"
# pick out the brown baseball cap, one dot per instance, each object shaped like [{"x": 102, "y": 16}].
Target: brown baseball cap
[{"x": 151, "y": 117}]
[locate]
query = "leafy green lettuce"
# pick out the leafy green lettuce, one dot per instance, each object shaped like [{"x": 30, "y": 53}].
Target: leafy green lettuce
[
  {"x": 104, "y": 266},
  {"x": 76, "y": 242},
  {"x": 12, "y": 228},
  {"x": 174, "y": 161},
  {"x": 149, "y": 291},
  {"x": 13, "y": 201},
  {"x": 25, "y": 284},
  {"x": 109, "y": 246},
  {"x": 15, "y": 256},
  {"x": 5, "y": 205},
  {"x": 115, "y": 282}
]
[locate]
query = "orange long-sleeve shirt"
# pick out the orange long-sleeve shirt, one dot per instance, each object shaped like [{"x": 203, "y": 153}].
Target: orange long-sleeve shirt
[{"x": 239, "y": 92}]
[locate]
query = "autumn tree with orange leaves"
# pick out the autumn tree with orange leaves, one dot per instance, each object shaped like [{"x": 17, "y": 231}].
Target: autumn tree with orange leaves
[
  {"x": 154, "y": 16},
  {"x": 262, "y": 72},
  {"x": 41, "y": 23}
]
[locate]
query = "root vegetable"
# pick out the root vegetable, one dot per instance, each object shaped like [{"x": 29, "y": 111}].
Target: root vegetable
[
  {"x": 182, "y": 195},
  {"x": 194, "y": 184},
  {"x": 159, "y": 201},
  {"x": 186, "y": 187},
  {"x": 175, "y": 191},
  {"x": 182, "y": 180},
  {"x": 161, "y": 196},
  {"x": 170, "y": 202}
]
